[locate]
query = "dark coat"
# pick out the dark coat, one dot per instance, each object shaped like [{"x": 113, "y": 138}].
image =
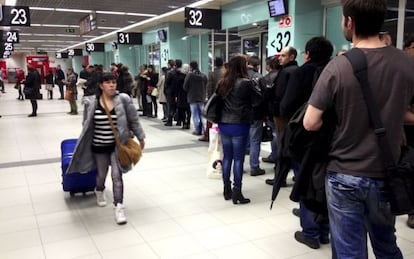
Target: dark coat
[
  {"x": 195, "y": 85},
  {"x": 59, "y": 77},
  {"x": 92, "y": 83},
  {"x": 281, "y": 83},
  {"x": 124, "y": 82},
  {"x": 260, "y": 111},
  {"x": 238, "y": 105},
  {"x": 180, "y": 94},
  {"x": 32, "y": 85}
]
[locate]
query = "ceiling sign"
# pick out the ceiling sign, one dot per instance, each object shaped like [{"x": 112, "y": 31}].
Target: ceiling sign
[
  {"x": 130, "y": 38},
  {"x": 94, "y": 47},
  {"x": 202, "y": 18},
  {"x": 14, "y": 15}
]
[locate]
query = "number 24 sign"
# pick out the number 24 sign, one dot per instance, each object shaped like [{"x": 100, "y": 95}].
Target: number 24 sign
[{"x": 14, "y": 15}]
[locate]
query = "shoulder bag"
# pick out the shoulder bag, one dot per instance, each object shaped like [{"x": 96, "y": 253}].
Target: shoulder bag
[
  {"x": 128, "y": 154},
  {"x": 400, "y": 175},
  {"x": 213, "y": 107}
]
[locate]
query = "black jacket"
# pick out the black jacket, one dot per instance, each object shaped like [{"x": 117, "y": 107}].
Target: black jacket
[
  {"x": 238, "y": 105},
  {"x": 281, "y": 83},
  {"x": 92, "y": 84},
  {"x": 33, "y": 84},
  {"x": 298, "y": 90},
  {"x": 178, "y": 90},
  {"x": 59, "y": 77},
  {"x": 124, "y": 82},
  {"x": 259, "y": 111}
]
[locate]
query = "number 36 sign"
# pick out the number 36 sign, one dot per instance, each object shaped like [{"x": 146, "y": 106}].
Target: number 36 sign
[{"x": 14, "y": 15}]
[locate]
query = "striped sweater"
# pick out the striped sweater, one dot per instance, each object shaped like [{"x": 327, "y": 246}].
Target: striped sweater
[{"x": 103, "y": 138}]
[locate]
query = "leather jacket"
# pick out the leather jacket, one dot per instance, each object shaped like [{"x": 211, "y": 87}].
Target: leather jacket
[{"x": 238, "y": 105}]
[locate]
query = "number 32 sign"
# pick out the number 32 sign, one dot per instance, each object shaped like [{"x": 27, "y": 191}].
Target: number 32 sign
[
  {"x": 14, "y": 15},
  {"x": 282, "y": 36}
]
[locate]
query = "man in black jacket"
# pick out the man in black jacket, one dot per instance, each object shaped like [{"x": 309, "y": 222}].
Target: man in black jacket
[
  {"x": 318, "y": 52},
  {"x": 171, "y": 91},
  {"x": 259, "y": 113},
  {"x": 60, "y": 76},
  {"x": 287, "y": 60}
]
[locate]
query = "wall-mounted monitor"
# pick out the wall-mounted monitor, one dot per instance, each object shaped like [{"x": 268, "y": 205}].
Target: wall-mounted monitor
[
  {"x": 277, "y": 8},
  {"x": 162, "y": 35}
]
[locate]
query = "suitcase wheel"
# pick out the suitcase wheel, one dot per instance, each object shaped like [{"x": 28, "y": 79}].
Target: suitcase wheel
[{"x": 72, "y": 194}]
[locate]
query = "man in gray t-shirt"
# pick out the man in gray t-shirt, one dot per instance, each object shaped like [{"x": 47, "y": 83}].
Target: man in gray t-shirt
[{"x": 355, "y": 178}]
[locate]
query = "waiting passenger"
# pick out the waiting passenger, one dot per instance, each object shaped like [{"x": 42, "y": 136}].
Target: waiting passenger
[
  {"x": 71, "y": 88},
  {"x": 355, "y": 180},
  {"x": 318, "y": 52},
  {"x": 409, "y": 129},
  {"x": 195, "y": 86},
  {"x": 239, "y": 97}
]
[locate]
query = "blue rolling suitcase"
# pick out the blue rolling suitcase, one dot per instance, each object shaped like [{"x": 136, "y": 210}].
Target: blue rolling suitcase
[{"x": 75, "y": 182}]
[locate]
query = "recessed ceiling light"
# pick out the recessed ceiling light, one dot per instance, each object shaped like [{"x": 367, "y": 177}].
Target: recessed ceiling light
[{"x": 173, "y": 6}]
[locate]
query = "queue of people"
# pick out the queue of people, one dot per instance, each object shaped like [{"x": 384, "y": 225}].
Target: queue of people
[{"x": 353, "y": 172}]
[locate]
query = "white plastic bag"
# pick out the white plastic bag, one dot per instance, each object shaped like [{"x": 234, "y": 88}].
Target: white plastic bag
[{"x": 215, "y": 154}]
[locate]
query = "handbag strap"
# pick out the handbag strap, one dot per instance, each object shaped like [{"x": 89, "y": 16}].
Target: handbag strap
[
  {"x": 358, "y": 61},
  {"x": 114, "y": 131}
]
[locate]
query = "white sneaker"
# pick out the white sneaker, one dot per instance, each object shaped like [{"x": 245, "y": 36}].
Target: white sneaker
[
  {"x": 120, "y": 214},
  {"x": 100, "y": 198}
]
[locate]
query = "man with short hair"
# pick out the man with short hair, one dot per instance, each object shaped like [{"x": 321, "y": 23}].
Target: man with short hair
[
  {"x": 355, "y": 181},
  {"x": 59, "y": 77},
  {"x": 272, "y": 67},
  {"x": 287, "y": 60},
  {"x": 171, "y": 91},
  {"x": 195, "y": 85},
  {"x": 318, "y": 52},
  {"x": 259, "y": 113}
]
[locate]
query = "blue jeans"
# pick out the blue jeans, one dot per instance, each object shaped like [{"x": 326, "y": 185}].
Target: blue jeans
[
  {"x": 358, "y": 205},
  {"x": 309, "y": 227},
  {"x": 233, "y": 152},
  {"x": 196, "y": 112},
  {"x": 255, "y": 135}
]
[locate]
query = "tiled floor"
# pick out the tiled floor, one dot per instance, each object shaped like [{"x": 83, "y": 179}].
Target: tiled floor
[{"x": 173, "y": 210}]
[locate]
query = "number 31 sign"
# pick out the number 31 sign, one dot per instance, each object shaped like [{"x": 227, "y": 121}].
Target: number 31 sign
[{"x": 14, "y": 15}]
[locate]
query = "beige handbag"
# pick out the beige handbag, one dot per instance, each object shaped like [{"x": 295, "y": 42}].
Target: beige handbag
[{"x": 128, "y": 154}]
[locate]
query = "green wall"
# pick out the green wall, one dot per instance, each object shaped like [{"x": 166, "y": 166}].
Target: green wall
[
  {"x": 243, "y": 12},
  {"x": 334, "y": 29}
]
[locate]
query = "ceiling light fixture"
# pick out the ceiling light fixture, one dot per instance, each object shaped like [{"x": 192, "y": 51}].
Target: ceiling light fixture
[
  {"x": 11, "y": 2},
  {"x": 132, "y": 26},
  {"x": 108, "y": 28},
  {"x": 72, "y": 10},
  {"x": 42, "y": 8}
]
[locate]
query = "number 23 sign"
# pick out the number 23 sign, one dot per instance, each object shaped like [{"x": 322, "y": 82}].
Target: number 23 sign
[{"x": 14, "y": 15}]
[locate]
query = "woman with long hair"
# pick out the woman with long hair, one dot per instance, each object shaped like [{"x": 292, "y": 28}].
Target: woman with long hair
[{"x": 239, "y": 95}]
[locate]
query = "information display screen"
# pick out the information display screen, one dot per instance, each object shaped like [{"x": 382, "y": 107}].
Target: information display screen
[{"x": 277, "y": 8}]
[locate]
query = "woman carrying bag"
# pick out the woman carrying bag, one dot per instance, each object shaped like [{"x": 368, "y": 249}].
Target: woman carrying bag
[
  {"x": 239, "y": 95},
  {"x": 96, "y": 147}
]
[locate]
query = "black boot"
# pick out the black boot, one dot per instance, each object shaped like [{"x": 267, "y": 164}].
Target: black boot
[
  {"x": 227, "y": 193},
  {"x": 238, "y": 198}
]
